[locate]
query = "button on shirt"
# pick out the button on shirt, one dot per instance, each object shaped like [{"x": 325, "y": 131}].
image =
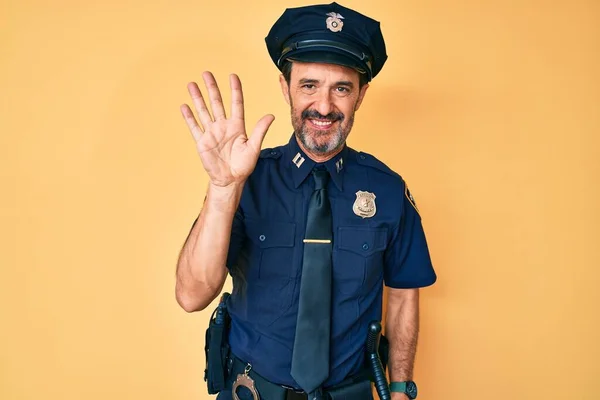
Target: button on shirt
[{"x": 387, "y": 246}]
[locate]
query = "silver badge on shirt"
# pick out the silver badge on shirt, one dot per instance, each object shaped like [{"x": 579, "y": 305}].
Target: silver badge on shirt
[{"x": 364, "y": 205}]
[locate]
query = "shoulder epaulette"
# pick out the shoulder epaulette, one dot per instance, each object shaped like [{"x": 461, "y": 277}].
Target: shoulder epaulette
[
  {"x": 270, "y": 153},
  {"x": 370, "y": 161}
]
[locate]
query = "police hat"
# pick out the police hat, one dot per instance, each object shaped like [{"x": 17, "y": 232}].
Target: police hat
[{"x": 328, "y": 33}]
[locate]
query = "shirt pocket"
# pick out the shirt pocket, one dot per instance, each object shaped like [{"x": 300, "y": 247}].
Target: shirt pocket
[
  {"x": 270, "y": 283},
  {"x": 358, "y": 258},
  {"x": 274, "y": 245}
]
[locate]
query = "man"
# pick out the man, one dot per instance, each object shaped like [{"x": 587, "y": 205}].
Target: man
[{"x": 310, "y": 230}]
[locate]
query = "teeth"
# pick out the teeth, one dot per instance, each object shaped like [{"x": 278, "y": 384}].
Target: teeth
[{"x": 321, "y": 123}]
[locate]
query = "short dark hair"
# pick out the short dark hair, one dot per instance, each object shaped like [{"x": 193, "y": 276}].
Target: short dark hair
[{"x": 286, "y": 70}]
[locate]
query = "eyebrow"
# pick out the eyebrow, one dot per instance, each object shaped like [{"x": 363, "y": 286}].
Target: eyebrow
[
  {"x": 314, "y": 81},
  {"x": 306, "y": 80},
  {"x": 344, "y": 83}
]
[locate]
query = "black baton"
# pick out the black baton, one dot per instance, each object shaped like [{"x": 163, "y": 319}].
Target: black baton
[{"x": 381, "y": 384}]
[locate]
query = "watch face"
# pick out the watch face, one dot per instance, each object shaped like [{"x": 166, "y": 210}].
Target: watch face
[{"x": 411, "y": 390}]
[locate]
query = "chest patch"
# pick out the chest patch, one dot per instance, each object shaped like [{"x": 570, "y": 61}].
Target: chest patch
[{"x": 364, "y": 205}]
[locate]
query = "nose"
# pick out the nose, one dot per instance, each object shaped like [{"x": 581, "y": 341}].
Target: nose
[{"x": 323, "y": 104}]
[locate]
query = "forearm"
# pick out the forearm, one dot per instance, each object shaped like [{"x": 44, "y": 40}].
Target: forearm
[
  {"x": 402, "y": 330},
  {"x": 201, "y": 268}
]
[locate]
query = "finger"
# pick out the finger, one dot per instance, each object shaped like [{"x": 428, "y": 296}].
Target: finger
[
  {"x": 216, "y": 102},
  {"x": 260, "y": 130},
  {"x": 199, "y": 104},
  {"x": 237, "y": 97},
  {"x": 190, "y": 120}
]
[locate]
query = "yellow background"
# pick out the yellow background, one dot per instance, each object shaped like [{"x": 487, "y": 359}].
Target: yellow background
[{"x": 489, "y": 109}]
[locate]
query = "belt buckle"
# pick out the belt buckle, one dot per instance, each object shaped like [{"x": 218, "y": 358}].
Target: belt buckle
[
  {"x": 299, "y": 391},
  {"x": 294, "y": 394}
]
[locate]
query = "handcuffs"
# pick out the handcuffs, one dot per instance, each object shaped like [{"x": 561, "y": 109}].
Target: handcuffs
[{"x": 244, "y": 380}]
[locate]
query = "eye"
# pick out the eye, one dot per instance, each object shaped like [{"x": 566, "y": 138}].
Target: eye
[
  {"x": 308, "y": 86},
  {"x": 342, "y": 89}
]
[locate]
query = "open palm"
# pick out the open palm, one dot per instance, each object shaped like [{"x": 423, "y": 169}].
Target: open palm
[{"x": 226, "y": 152}]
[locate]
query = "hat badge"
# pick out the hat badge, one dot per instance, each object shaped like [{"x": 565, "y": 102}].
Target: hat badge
[{"x": 334, "y": 22}]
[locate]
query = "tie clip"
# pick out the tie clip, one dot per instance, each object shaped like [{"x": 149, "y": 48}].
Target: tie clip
[{"x": 325, "y": 241}]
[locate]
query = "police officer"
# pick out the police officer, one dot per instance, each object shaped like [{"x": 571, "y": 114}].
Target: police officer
[{"x": 311, "y": 230}]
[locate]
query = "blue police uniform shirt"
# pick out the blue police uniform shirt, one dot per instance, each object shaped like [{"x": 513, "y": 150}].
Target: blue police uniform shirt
[{"x": 266, "y": 243}]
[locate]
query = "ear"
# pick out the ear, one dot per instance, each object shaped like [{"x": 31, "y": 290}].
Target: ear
[
  {"x": 285, "y": 88},
  {"x": 361, "y": 96}
]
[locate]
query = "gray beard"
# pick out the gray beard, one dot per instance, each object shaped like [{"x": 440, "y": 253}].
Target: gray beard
[{"x": 309, "y": 142}]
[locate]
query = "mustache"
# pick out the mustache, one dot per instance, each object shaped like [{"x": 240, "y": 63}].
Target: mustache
[{"x": 314, "y": 114}]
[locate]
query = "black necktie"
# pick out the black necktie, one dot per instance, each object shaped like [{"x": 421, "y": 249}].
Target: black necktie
[{"x": 310, "y": 359}]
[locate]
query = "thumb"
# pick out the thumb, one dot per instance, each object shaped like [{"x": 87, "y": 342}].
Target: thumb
[{"x": 260, "y": 130}]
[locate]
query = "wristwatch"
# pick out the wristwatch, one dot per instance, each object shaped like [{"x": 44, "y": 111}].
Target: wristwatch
[{"x": 408, "y": 387}]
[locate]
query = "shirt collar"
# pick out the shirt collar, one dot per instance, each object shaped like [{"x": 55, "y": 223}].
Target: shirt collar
[{"x": 301, "y": 165}]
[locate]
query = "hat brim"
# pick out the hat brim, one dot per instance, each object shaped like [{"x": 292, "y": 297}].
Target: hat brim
[{"x": 328, "y": 55}]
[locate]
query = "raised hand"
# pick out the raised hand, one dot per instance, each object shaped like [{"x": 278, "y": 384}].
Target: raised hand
[{"x": 226, "y": 152}]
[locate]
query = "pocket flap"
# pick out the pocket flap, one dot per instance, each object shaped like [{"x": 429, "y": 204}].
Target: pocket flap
[
  {"x": 266, "y": 233},
  {"x": 363, "y": 241}
]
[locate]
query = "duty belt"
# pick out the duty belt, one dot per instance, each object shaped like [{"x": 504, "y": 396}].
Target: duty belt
[{"x": 355, "y": 388}]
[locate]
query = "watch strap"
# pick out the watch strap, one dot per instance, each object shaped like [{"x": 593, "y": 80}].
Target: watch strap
[
  {"x": 399, "y": 387},
  {"x": 409, "y": 388}
]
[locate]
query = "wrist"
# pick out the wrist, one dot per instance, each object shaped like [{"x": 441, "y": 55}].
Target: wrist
[
  {"x": 224, "y": 198},
  {"x": 233, "y": 187}
]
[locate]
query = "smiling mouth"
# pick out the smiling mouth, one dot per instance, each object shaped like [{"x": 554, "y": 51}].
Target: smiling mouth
[{"x": 320, "y": 124}]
